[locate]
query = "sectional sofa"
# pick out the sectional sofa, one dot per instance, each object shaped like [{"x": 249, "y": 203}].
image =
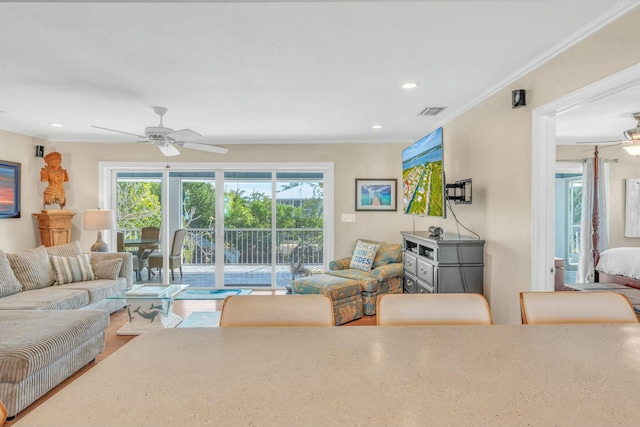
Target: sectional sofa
[{"x": 53, "y": 314}]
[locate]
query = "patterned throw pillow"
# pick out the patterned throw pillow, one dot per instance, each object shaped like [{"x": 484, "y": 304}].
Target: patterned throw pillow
[
  {"x": 71, "y": 269},
  {"x": 363, "y": 255},
  {"x": 108, "y": 269},
  {"x": 32, "y": 268},
  {"x": 9, "y": 285}
]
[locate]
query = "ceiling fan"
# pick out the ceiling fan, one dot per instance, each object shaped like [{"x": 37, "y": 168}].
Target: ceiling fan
[
  {"x": 167, "y": 139},
  {"x": 631, "y": 143}
]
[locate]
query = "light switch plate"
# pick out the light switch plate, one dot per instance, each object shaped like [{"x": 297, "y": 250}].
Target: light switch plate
[{"x": 348, "y": 217}]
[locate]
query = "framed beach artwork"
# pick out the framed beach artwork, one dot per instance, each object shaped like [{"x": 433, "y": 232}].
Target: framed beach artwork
[
  {"x": 9, "y": 189},
  {"x": 376, "y": 194}
]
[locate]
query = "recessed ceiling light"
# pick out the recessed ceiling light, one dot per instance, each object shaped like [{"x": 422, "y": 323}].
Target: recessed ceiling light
[
  {"x": 410, "y": 85},
  {"x": 376, "y": 127},
  {"x": 55, "y": 125}
]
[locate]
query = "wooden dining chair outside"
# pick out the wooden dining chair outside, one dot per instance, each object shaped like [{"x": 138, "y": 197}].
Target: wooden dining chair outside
[
  {"x": 277, "y": 310},
  {"x": 538, "y": 308},
  {"x": 432, "y": 309},
  {"x": 175, "y": 256}
]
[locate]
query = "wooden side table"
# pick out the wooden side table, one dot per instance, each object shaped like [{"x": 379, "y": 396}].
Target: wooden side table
[{"x": 55, "y": 226}]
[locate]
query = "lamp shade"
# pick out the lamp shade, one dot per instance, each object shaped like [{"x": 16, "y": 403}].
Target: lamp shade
[{"x": 98, "y": 219}]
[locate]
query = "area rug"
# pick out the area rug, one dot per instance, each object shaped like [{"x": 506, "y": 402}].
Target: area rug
[
  {"x": 210, "y": 294},
  {"x": 201, "y": 319}
]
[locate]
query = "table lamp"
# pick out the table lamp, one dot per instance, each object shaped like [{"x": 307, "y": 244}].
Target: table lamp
[{"x": 99, "y": 219}]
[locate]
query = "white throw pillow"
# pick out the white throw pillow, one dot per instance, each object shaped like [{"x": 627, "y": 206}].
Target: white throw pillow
[{"x": 363, "y": 255}]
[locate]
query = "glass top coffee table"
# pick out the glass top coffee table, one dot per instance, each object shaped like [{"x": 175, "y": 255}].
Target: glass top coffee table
[{"x": 150, "y": 306}]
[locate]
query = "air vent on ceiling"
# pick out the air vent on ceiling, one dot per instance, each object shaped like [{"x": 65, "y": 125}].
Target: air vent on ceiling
[{"x": 431, "y": 111}]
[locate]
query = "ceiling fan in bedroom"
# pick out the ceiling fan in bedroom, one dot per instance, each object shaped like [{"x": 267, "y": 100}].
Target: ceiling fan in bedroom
[
  {"x": 631, "y": 143},
  {"x": 167, "y": 139}
]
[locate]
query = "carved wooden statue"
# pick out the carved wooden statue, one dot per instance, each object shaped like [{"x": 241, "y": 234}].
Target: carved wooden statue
[{"x": 53, "y": 172}]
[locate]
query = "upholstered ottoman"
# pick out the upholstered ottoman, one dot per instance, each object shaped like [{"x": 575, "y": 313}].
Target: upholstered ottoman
[
  {"x": 41, "y": 348},
  {"x": 344, "y": 294}
]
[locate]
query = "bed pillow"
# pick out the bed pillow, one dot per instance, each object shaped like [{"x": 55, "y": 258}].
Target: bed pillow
[
  {"x": 9, "y": 285},
  {"x": 620, "y": 261},
  {"x": 32, "y": 268},
  {"x": 363, "y": 255},
  {"x": 108, "y": 269},
  {"x": 70, "y": 269}
]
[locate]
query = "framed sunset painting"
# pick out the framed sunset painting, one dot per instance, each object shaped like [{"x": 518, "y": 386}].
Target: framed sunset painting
[{"x": 9, "y": 189}]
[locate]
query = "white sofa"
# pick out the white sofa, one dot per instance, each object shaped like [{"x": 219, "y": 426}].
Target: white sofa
[{"x": 53, "y": 316}]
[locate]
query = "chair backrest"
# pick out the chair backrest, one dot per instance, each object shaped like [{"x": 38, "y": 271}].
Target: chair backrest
[
  {"x": 150, "y": 233},
  {"x": 120, "y": 242},
  {"x": 3, "y": 413},
  {"x": 277, "y": 310},
  {"x": 539, "y": 308},
  {"x": 178, "y": 242},
  {"x": 432, "y": 309}
]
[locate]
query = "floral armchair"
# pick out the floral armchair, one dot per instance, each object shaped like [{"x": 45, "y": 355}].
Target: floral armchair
[{"x": 385, "y": 276}]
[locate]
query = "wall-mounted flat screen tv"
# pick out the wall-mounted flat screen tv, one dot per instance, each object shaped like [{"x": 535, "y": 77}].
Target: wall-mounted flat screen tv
[{"x": 423, "y": 176}]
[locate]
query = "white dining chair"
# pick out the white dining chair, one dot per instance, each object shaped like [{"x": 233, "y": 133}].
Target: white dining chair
[
  {"x": 277, "y": 310},
  {"x": 539, "y": 308},
  {"x": 433, "y": 309}
]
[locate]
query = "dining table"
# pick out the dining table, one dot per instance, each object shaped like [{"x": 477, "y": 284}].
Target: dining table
[
  {"x": 143, "y": 249},
  {"x": 498, "y": 375}
]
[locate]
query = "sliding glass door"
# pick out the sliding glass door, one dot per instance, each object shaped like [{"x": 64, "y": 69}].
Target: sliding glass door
[{"x": 263, "y": 230}]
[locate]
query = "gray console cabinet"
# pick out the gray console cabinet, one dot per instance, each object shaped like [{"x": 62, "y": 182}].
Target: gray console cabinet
[{"x": 445, "y": 264}]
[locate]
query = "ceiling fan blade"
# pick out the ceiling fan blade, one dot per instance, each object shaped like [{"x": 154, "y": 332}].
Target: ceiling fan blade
[
  {"x": 119, "y": 131},
  {"x": 204, "y": 147},
  {"x": 183, "y": 135},
  {"x": 168, "y": 150}
]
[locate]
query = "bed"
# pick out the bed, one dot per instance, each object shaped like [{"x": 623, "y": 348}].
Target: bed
[{"x": 615, "y": 265}]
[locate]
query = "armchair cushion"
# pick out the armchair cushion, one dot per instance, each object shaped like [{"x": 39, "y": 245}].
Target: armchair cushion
[
  {"x": 363, "y": 255},
  {"x": 367, "y": 282},
  {"x": 388, "y": 271},
  {"x": 340, "y": 264}
]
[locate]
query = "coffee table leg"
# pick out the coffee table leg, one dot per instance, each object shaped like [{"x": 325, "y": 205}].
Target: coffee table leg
[{"x": 148, "y": 315}]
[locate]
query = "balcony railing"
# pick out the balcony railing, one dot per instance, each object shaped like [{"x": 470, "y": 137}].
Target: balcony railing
[{"x": 250, "y": 246}]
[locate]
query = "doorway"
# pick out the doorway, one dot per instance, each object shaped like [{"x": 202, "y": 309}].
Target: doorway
[{"x": 543, "y": 169}]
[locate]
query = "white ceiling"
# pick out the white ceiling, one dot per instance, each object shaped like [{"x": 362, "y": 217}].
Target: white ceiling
[{"x": 264, "y": 71}]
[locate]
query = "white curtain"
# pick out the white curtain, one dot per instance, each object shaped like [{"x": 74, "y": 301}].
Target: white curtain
[{"x": 585, "y": 265}]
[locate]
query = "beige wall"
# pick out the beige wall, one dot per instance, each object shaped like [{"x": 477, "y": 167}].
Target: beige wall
[
  {"x": 490, "y": 143},
  {"x": 81, "y": 162}
]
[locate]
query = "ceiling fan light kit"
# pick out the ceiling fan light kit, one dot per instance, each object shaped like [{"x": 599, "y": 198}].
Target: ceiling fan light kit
[
  {"x": 634, "y": 134},
  {"x": 166, "y": 138}
]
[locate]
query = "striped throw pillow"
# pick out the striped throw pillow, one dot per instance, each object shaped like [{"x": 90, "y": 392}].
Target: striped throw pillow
[
  {"x": 32, "y": 268},
  {"x": 71, "y": 269},
  {"x": 9, "y": 285}
]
